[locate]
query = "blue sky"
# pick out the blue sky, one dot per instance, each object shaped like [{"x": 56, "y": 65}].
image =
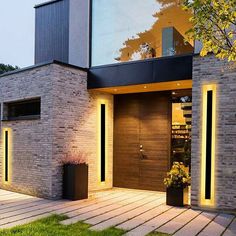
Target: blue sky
[{"x": 17, "y": 32}]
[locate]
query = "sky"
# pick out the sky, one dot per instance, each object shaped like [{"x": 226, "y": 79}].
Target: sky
[
  {"x": 17, "y": 28},
  {"x": 17, "y": 32}
]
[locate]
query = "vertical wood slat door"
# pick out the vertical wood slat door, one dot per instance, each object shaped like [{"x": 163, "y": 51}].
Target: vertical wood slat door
[
  {"x": 155, "y": 137},
  {"x": 126, "y": 142},
  {"x": 142, "y": 119}
]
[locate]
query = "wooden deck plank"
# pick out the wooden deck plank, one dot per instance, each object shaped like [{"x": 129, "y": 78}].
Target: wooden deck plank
[
  {"x": 129, "y": 205},
  {"x": 17, "y": 202},
  {"x": 12, "y": 196},
  {"x": 101, "y": 208},
  {"x": 88, "y": 203},
  {"x": 129, "y": 215},
  {"x": 4, "y": 194},
  {"x": 196, "y": 225},
  {"x": 7, "y": 201},
  {"x": 31, "y": 207},
  {"x": 217, "y": 226},
  {"x": 25, "y": 221},
  {"x": 156, "y": 222},
  {"x": 45, "y": 208},
  {"x": 172, "y": 226},
  {"x": 141, "y": 219},
  {"x": 35, "y": 215},
  {"x": 231, "y": 230},
  {"x": 8, "y": 209}
]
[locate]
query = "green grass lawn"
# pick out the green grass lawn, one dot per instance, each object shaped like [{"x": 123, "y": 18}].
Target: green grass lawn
[{"x": 51, "y": 227}]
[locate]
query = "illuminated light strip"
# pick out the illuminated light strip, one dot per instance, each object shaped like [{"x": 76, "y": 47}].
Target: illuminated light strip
[
  {"x": 208, "y": 146},
  {"x": 102, "y": 137},
  {"x": 6, "y": 154},
  {"x": 103, "y": 142}
]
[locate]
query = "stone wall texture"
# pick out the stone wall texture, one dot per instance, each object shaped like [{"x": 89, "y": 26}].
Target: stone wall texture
[
  {"x": 209, "y": 70},
  {"x": 68, "y": 126}
]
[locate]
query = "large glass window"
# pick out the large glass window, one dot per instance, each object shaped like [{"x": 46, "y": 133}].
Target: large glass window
[{"x": 128, "y": 30}]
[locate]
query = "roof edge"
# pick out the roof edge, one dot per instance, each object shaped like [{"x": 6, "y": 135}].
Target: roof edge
[
  {"x": 41, "y": 65},
  {"x": 46, "y": 3}
]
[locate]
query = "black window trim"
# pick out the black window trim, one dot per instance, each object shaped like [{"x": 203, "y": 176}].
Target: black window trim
[{"x": 6, "y": 117}]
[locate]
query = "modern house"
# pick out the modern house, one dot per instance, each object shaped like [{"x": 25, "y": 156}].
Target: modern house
[{"x": 120, "y": 82}]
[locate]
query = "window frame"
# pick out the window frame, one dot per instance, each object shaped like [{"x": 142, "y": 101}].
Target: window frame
[{"x": 8, "y": 106}]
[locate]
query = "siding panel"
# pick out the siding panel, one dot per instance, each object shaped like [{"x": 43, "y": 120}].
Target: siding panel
[{"x": 52, "y": 32}]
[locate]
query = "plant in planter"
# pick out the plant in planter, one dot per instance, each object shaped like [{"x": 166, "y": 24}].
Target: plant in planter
[
  {"x": 75, "y": 176},
  {"x": 177, "y": 181}
]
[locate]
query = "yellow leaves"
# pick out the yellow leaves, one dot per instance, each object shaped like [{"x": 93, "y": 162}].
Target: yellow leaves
[
  {"x": 231, "y": 34},
  {"x": 232, "y": 57},
  {"x": 214, "y": 24},
  {"x": 215, "y": 3},
  {"x": 204, "y": 52}
]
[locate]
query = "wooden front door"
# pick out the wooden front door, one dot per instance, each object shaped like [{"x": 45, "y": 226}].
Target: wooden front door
[{"x": 142, "y": 132}]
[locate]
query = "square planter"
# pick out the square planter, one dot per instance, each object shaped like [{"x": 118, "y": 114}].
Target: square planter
[
  {"x": 175, "y": 196},
  {"x": 75, "y": 181}
]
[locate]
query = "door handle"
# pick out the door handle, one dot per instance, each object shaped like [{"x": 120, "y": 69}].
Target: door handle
[{"x": 142, "y": 156}]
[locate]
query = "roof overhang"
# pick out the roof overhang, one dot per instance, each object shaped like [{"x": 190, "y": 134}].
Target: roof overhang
[{"x": 168, "y": 71}]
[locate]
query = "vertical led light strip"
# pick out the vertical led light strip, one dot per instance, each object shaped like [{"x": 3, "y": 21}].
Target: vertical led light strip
[
  {"x": 6, "y": 159},
  {"x": 103, "y": 143},
  {"x": 7, "y": 143},
  {"x": 102, "y": 137},
  {"x": 208, "y": 146}
]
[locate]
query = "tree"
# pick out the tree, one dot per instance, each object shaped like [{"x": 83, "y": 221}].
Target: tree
[
  {"x": 5, "y": 68},
  {"x": 214, "y": 25}
]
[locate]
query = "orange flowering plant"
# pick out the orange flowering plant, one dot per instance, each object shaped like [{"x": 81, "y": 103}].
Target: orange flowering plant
[{"x": 177, "y": 177}]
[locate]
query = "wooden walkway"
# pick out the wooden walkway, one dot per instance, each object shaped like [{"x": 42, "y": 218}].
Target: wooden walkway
[{"x": 137, "y": 212}]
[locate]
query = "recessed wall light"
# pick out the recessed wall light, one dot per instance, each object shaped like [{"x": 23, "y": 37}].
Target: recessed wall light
[
  {"x": 115, "y": 90},
  {"x": 173, "y": 93},
  {"x": 178, "y": 84},
  {"x": 145, "y": 86}
]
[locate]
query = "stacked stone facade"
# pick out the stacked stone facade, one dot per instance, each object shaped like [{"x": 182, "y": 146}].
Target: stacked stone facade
[
  {"x": 209, "y": 70},
  {"x": 68, "y": 125}
]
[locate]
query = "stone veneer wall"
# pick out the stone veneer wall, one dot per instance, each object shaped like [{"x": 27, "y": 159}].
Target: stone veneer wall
[
  {"x": 205, "y": 71},
  {"x": 68, "y": 124},
  {"x": 75, "y": 126}
]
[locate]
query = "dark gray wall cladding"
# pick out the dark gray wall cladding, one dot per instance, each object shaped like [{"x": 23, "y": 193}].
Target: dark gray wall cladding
[{"x": 52, "y": 32}]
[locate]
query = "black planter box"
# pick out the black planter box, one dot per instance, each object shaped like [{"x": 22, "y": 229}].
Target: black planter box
[
  {"x": 75, "y": 181},
  {"x": 175, "y": 196}
]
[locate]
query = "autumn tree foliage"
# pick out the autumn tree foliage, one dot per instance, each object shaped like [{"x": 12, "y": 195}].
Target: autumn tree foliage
[{"x": 214, "y": 24}]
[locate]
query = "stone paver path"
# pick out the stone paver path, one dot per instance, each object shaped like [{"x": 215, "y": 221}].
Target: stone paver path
[{"x": 137, "y": 212}]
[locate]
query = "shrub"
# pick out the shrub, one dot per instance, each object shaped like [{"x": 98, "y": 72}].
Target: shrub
[
  {"x": 177, "y": 177},
  {"x": 75, "y": 158}
]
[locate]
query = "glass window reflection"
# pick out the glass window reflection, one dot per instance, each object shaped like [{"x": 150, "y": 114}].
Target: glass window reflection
[{"x": 128, "y": 30}]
